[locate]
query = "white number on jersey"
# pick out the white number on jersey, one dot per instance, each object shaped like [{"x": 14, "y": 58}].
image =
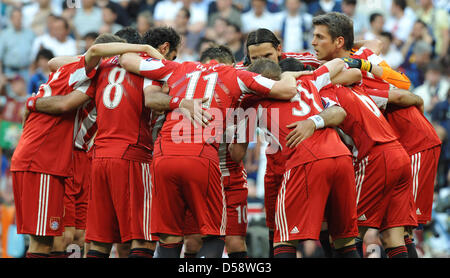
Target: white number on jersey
[
  {"x": 115, "y": 83},
  {"x": 46, "y": 87},
  {"x": 210, "y": 86},
  {"x": 305, "y": 109},
  {"x": 368, "y": 102}
]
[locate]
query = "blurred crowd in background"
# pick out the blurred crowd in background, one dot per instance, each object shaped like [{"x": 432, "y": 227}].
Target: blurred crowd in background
[{"x": 415, "y": 35}]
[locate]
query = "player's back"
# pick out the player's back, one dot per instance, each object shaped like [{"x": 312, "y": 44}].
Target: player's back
[
  {"x": 414, "y": 131},
  {"x": 364, "y": 122},
  {"x": 46, "y": 142},
  {"x": 322, "y": 144},
  {"x": 218, "y": 83},
  {"x": 122, "y": 119}
]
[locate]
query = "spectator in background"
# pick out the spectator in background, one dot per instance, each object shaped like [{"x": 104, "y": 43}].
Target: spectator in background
[
  {"x": 376, "y": 21},
  {"x": 417, "y": 63},
  {"x": 166, "y": 11},
  {"x": 399, "y": 24},
  {"x": 123, "y": 16},
  {"x": 359, "y": 20},
  {"x": 189, "y": 39},
  {"x": 435, "y": 87},
  {"x": 144, "y": 22},
  {"x": 87, "y": 19},
  {"x": 15, "y": 47},
  {"x": 295, "y": 27},
  {"x": 317, "y": 7},
  {"x": 438, "y": 20},
  {"x": 420, "y": 32},
  {"x": 36, "y": 14},
  {"x": 16, "y": 95},
  {"x": 199, "y": 17},
  {"x": 89, "y": 39},
  {"x": 259, "y": 17},
  {"x": 225, "y": 9},
  {"x": 203, "y": 44},
  {"x": 234, "y": 40},
  {"x": 109, "y": 16},
  {"x": 389, "y": 51},
  {"x": 42, "y": 71},
  {"x": 57, "y": 40},
  {"x": 218, "y": 31}
]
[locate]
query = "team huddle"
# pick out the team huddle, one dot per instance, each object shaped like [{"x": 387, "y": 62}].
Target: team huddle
[{"x": 125, "y": 145}]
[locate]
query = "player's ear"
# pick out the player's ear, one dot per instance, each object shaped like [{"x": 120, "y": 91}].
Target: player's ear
[
  {"x": 279, "y": 50},
  {"x": 339, "y": 42},
  {"x": 164, "y": 48}
]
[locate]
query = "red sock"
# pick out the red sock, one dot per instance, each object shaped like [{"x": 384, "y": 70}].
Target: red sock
[
  {"x": 285, "y": 251},
  {"x": 397, "y": 252},
  {"x": 36, "y": 255}
]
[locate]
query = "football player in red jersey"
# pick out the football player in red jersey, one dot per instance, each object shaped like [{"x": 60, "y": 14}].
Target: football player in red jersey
[
  {"x": 187, "y": 80},
  {"x": 42, "y": 161},
  {"x": 134, "y": 152},
  {"x": 263, "y": 43},
  {"x": 299, "y": 215},
  {"x": 333, "y": 37}
]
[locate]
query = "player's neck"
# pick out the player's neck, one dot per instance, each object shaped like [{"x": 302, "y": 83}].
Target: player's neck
[{"x": 342, "y": 53}]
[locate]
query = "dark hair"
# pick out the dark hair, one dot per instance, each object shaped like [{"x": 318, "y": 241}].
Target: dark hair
[
  {"x": 44, "y": 53},
  {"x": 221, "y": 54},
  {"x": 266, "y": 68},
  {"x": 387, "y": 34},
  {"x": 235, "y": 26},
  {"x": 91, "y": 35},
  {"x": 131, "y": 35},
  {"x": 204, "y": 40},
  {"x": 66, "y": 23},
  {"x": 111, "y": 7},
  {"x": 292, "y": 64},
  {"x": 374, "y": 16},
  {"x": 106, "y": 38},
  {"x": 262, "y": 35},
  {"x": 350, "y": 2},
  {"x": 159, "y": 35},
  {"x": 339, "y": 25},
  {"x": 400, "y": 3},
  {"x": 186, "y": 11}
]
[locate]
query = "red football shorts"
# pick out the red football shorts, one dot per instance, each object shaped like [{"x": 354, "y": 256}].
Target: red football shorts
[
  {"x": 236, "y": 194},
  {"x": 77, "y": 191},
  {"x": 312, "y": 190},
  {"x": 39, "y": 201},
  {"x": 424, "y": 166},
  {"x": 190, "y": 225},
  {"x": 187, "y": 183},
  {"x": 383, "y": 180},
  {"x": 120, "y": 201},
  {"x": 272, "y": 183}
]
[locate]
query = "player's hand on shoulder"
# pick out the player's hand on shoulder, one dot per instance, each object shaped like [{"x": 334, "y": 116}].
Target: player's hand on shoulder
[
  {"x": 301, "y": 130},
  {"x": 193, "y": 110}
]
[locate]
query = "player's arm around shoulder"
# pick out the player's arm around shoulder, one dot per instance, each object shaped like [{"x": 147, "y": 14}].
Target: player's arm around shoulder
[
  {"x": 57, "y": 104},
  {"x": 405, "y": 98}
]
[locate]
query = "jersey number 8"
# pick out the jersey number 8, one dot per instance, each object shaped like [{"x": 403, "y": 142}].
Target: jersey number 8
[{"x": 116, "y": 83}]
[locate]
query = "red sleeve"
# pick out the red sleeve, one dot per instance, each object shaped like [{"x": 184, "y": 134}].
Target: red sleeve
[
  {"x": 79, "y": 75},
  {"x": 155, "y": 69},
  {"x": 380, "y": 97},
  {"x": 250, "y": 82},
  {"x": 329, "y": 96},
  {"x": 320, "y": 78}
]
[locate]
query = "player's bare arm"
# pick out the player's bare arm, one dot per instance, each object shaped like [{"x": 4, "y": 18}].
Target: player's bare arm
[
  {"x": 60, "y": 104},
  {"x": 97, "y": 51},
  {"x": 237, "y": 151},
  {"x": 55, "y": 63},
  {"x": 347, "y": 77},
  {"x": 375, "y": 45},
  {"x": 334, "y": 67},
  {"x": 131, "y": 62},
  {"x": 330, "y": 117},
  {"x": 286, "y": 87},
  {"x": 191, "y": 108},
  {"x": 405, "y": 98}
]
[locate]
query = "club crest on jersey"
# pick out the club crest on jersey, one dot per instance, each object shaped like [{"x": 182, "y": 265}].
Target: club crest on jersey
[{"x": 54, "y": 223}]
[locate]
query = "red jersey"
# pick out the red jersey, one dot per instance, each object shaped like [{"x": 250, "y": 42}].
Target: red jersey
[
  {"x": 414, "y": 131},
  {"x": 47, "y": 141},
  {"x": 364, "y": 122},
  {"x": 85, "y": 126},
  {"x": 122, "y": 118},
  {"x": 223, "y": 85},
  {"x": 277, "y": 115}
]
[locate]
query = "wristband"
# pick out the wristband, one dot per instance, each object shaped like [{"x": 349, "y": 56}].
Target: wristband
[
  {"x": 31, "y": 104},
  {"x": 175, "y": 103},
  {"x": 366, "y": 65},
  {"x": 318, "y": 121}
]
